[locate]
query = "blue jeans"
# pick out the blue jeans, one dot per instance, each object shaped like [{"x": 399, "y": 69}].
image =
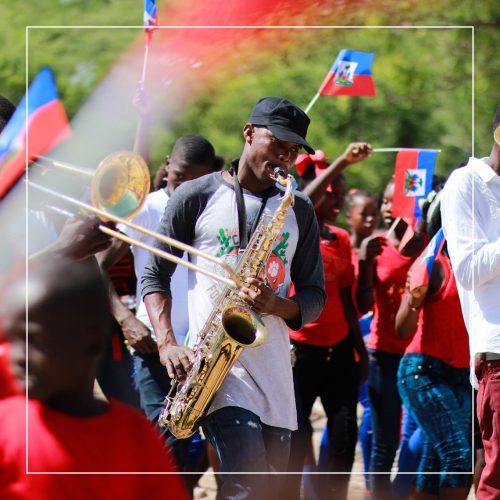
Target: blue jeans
[
  {"x": 153, "y": 383},
  {"x": 438, "y": 396},
  {"x": 409, "y": 455},
  {"x": 385, "y": 405},
  {"x": 244, "y": 444}
]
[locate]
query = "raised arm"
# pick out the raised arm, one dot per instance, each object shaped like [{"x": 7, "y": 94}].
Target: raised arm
[{"x": 355, "y": 152}]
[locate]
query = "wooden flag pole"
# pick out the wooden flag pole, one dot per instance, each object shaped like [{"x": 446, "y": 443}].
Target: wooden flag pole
[{"x": 311, "y": 104}]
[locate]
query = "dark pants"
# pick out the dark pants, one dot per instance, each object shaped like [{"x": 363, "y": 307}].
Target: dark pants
[
  {"x": 488, "y": 414},
  {"x": 153, "y": 383},
  {"x": 115, "y": 376},
  {"x": 244, "y": 444},
  {"x": 385, "y": 406},
  {"x": 331, "y": 374}
]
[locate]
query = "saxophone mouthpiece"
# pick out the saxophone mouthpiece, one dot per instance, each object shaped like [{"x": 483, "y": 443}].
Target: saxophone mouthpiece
[{"x": 280, "y": 176}]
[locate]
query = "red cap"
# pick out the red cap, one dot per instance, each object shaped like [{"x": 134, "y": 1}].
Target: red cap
[{"x": 319, "y": 159}]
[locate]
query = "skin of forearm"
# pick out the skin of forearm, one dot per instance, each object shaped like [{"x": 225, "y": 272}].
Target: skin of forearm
[
  {"x": 364, "y": 292},
  {"x": 352, "y": 320},
  {"x": 286, "y": 308},
  {"x": 317, "y": 187},
  {"x": 159, "y": 307}
]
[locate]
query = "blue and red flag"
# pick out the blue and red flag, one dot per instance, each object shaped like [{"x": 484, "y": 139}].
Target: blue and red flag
[
  {"x": 420, "y": 271},
  {"x": 412, "y": 181},
  {"x": 150, "y": 16},
  {"x": 350, "y": 74},
  {"x": 39, "y": 122}
]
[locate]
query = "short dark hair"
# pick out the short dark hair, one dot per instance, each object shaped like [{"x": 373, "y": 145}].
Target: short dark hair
[
  {"x": 194, "y": 149},
  {"x": 6, "y": 111}
]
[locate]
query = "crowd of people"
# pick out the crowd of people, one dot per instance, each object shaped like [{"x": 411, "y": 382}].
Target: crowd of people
[{"x": 347, "y": 323}]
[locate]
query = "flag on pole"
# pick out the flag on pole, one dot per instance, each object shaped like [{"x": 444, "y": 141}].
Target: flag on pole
[
  {"x": 350, "y": 74},
  {"x": 39, "y": 122},
  {"x": 150, "y": 15},
  {"x": 420, "y": 270},
  {"x": 412, "y": 181}
]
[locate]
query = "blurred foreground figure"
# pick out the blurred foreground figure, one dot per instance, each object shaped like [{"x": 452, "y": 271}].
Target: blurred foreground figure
[
  {"x": 470, "y": 207},
  {"x": 55, "y": 356}
]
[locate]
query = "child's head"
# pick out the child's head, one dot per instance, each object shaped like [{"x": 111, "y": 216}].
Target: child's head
[
  {"x": 361, "y": 212},
  {"x": 192, "y": 156},
  {"x": 332, "y": 201},
  {"x": 386, "y": 205},
  {"x": 68, "y": 325}
]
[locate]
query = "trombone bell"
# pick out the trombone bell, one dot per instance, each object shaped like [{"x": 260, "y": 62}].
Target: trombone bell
[{"x": 120, "y": 184}]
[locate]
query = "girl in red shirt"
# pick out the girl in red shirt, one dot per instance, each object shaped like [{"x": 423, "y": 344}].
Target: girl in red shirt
[
  {"x": 325, "y": 366},
  {"x": 383, "y": 266},
  {"x": 433, "y": 377}
]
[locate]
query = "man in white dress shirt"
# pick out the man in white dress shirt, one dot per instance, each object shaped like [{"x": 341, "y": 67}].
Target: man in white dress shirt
[{"x": 470, "y": 208}]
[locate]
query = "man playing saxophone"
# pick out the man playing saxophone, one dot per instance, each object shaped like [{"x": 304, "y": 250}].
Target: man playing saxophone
[{"x": 253, "y": 413}]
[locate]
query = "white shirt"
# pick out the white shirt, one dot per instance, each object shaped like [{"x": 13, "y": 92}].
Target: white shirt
[
  {"x": 470, "y": 209},
  {"x": 149, "y": 217}
]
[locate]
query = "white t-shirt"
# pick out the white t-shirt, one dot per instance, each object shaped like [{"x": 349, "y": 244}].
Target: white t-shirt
[{"x": 149, "y": 217}]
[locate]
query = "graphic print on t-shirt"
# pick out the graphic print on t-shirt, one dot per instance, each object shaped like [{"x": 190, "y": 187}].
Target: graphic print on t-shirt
[{"x": 275, "y": 268}]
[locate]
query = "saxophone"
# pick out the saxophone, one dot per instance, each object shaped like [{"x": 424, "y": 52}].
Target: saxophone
[{"x": 230, "y": 328}]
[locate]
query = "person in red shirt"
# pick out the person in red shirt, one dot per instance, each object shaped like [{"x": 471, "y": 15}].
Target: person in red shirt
[
  {"x": 383, "y": 266},
  {"x": 325, "y": 364},
  {"x": 63, "y": 442},
  {"x": 433, "y": 377}
]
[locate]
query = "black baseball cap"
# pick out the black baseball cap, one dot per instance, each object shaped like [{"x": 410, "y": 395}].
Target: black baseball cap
[{"x": 283, "y": 118}]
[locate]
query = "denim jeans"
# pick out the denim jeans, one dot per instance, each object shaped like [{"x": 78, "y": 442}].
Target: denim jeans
[
  {"x": 385, "y": 405},
  {"x": 438, "y": 396},
  {"x": 153, "y": 383},
  {"x": 410, "y": 452},
  {"x": 244, "y": 444}
]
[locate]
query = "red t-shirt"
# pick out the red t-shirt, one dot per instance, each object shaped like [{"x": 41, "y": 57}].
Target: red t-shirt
[
  {"x": 390, "y": 271},
  {"x": 331, "y": 327},
  {"x": 119, "y": 440},
  {"x": 8, "y": 384},
  {"x": 441, "y": 329}
]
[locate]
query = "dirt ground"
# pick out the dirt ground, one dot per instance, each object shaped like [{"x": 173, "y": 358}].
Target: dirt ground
[{"x": 207, "y": 486}]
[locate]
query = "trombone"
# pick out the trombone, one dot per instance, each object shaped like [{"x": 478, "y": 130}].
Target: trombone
[{"x": 119, "y": 188}]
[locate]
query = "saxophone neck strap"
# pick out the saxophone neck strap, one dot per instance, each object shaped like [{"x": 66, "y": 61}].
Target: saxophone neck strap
[{"x": 242, "y": 212}]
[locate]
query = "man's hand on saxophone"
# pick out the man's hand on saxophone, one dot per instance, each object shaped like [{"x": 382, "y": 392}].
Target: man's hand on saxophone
[
  {"x": 262, "y": 299},
  {"x": 177, "y": 359}
]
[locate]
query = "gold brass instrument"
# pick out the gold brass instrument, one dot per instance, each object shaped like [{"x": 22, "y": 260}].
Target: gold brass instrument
[
  {"x": 119, "y": 187},
  {"x": 230, "y": 328}
]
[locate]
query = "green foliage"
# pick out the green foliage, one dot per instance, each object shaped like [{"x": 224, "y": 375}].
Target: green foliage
[{"x": 423, "y": 76}]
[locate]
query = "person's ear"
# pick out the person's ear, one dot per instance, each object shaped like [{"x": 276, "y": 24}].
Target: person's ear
[
  {"x": 167, "y": 163},
  {"x": 248, "y": 133}
]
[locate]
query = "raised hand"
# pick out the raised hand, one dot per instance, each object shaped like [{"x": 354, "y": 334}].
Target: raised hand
[{"x": 356, "y": 152}]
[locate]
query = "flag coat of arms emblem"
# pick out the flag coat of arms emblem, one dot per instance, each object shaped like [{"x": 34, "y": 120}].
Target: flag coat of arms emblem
[
  {"x": 350, "y": 74},
  {"x": 412, "y": 181}
]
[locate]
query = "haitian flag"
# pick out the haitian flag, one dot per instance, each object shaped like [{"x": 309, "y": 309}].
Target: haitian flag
[
  {"x": 412, "y": 180},
  {"x": 150, "y": 15},
  {"x": 41, "y": 115},
  {"x": 350, "y": 74},
  {"x": 420, "y": 270}
]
